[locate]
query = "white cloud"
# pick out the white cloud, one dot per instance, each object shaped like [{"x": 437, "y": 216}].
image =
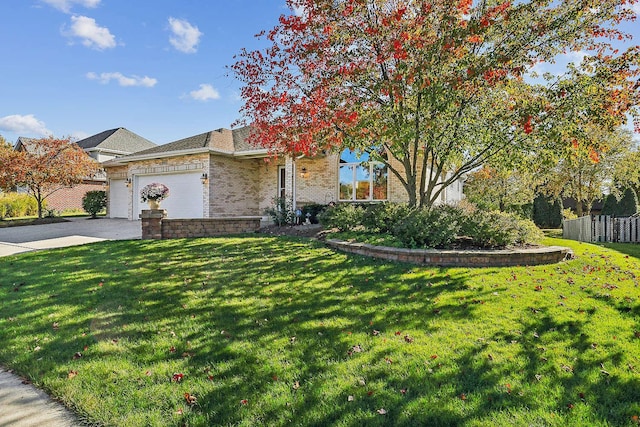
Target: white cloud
[
  {"x": 27, "y": 125},
  {"x": 123, "y": 80},
  {"x": 77, "y": 135},
  {"x": 575, "y": 57},
  {"x": 66, "y": 5},
  {"x": 92, "y": 35},
  {"x": 205, "y": 93},
  {"x": 185, "y": 36}
]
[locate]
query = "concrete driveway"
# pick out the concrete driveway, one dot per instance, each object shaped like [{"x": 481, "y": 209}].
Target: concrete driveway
[{"x": 77, "y": 231}]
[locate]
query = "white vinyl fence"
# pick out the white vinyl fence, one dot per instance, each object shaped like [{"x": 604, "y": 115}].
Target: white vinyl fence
[{"x": 602, "y": 228}]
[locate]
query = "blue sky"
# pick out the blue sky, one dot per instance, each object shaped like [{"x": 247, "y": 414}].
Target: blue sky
[
  {"x": 79, "y": 67},
  {"x": 158, "y": 68}
]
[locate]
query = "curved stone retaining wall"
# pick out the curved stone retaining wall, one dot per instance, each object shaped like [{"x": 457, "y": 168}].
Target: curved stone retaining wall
[{"x": 458, "y": 258}]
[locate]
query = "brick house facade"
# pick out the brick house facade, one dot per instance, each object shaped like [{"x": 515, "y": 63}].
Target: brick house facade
[{"x": 220, "y": 174}]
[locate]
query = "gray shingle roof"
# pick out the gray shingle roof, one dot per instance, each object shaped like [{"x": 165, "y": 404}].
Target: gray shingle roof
[
  {"x": 26, "y": 143},
  {"x": 220, "y": 139},
  {"x": 241, "y": 139},
  {"x": 120, "y": 139}
]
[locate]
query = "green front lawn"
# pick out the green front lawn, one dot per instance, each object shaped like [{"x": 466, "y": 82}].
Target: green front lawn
[{"x": 277, "y": 331}]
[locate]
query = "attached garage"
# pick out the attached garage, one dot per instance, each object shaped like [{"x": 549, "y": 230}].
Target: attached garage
[
  {"x": 186, "y": 194},
  {"x": 118, "y": 199}
]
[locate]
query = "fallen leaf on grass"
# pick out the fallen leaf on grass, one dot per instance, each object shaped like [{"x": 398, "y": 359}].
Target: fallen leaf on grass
[
  {"x": 190, "y": 398},
  {"x": 177, "y": 377},
  {"x": 77, "y": 355},
  {"x": 72, "y": 374},
  {"x": 296, "y": 385},
  {"x": 350, "y": 398},
  {"x": 55, "y": 326},
  {"x": 179, "y": 411},
  {"x": 244, "y": 401},
  {"x": 381, "y": 411},
  {"x": 408, "y": 338}
]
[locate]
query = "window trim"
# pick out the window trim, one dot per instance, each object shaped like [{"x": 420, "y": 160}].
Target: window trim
[{"x": 354, "y": 165}]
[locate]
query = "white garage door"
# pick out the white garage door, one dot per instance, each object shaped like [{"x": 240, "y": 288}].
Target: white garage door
[
  {"x": 185, "y": 194},
  {"x": 118, "y": 199}
]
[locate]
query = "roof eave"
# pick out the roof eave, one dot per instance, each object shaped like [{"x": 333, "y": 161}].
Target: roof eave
[{"x": 121, "y": 161}]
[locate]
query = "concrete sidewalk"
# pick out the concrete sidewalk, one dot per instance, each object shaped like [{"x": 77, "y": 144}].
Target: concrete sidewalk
[{"x": 21, "y": 404}]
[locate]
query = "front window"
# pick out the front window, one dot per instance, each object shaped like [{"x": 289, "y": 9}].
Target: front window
[{"x": 360, "y": 178}]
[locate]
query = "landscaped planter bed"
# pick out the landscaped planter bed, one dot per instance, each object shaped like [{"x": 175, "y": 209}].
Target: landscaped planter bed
[{"x": 458, "y": 258}]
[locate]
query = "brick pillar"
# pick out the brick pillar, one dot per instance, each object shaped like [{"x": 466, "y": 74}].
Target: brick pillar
[{"x": 152, "y": 223}]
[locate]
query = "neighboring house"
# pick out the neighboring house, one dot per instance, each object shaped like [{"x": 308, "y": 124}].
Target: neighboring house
[
  {"x": 220, "y": 174},
  {"x": 102, "y": 147}
]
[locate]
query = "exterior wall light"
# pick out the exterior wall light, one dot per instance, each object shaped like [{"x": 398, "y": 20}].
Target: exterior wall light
[
  {"x": 204, "y": 178},
  {"x": 127, "y": 182},
  {"x": 304, "y": 173}
]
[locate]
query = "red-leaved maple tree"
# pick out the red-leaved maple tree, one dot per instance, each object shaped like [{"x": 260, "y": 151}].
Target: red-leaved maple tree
[
  {"x": 45, "y": 166},
  {"x": 440, "y": 86}
]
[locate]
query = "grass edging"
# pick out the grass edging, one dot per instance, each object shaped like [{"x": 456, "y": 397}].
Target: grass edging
[{"x": 458, "y": 258}]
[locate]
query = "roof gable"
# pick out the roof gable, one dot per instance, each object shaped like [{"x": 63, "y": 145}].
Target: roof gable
[{"x": 119, "y": 140}]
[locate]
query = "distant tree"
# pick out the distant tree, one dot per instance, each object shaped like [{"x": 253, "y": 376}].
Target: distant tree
[
  {"x": 547, "y": 213},
  {"x": 627, "y": 172},
  {"x": 47, "y": 166},
  {"x": 628, "y": 204},
  {"x": 587, "y": 164},
  {"x": 499, "y": 189},
  {"x": 609, "y": 205}
]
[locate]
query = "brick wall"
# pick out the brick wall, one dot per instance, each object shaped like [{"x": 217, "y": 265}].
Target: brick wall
[
  {"x": 70, "y": 198},
  {"x": 155, "y": 225},
  {"x": 234, "y": 186}
]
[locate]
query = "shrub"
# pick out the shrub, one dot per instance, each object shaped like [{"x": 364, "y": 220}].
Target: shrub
[
  {"x": 281, "y": 212},
  {"x": 499, "y": 229},
  {"x": 94, "y": 202},
  {"x": 14, "y": 205},
  {"x": 382, "y": 217},
  {"x": 436, "y": 227},
  {"x": 313, "y": 209},
  {"x": 344, "y": 217}
]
